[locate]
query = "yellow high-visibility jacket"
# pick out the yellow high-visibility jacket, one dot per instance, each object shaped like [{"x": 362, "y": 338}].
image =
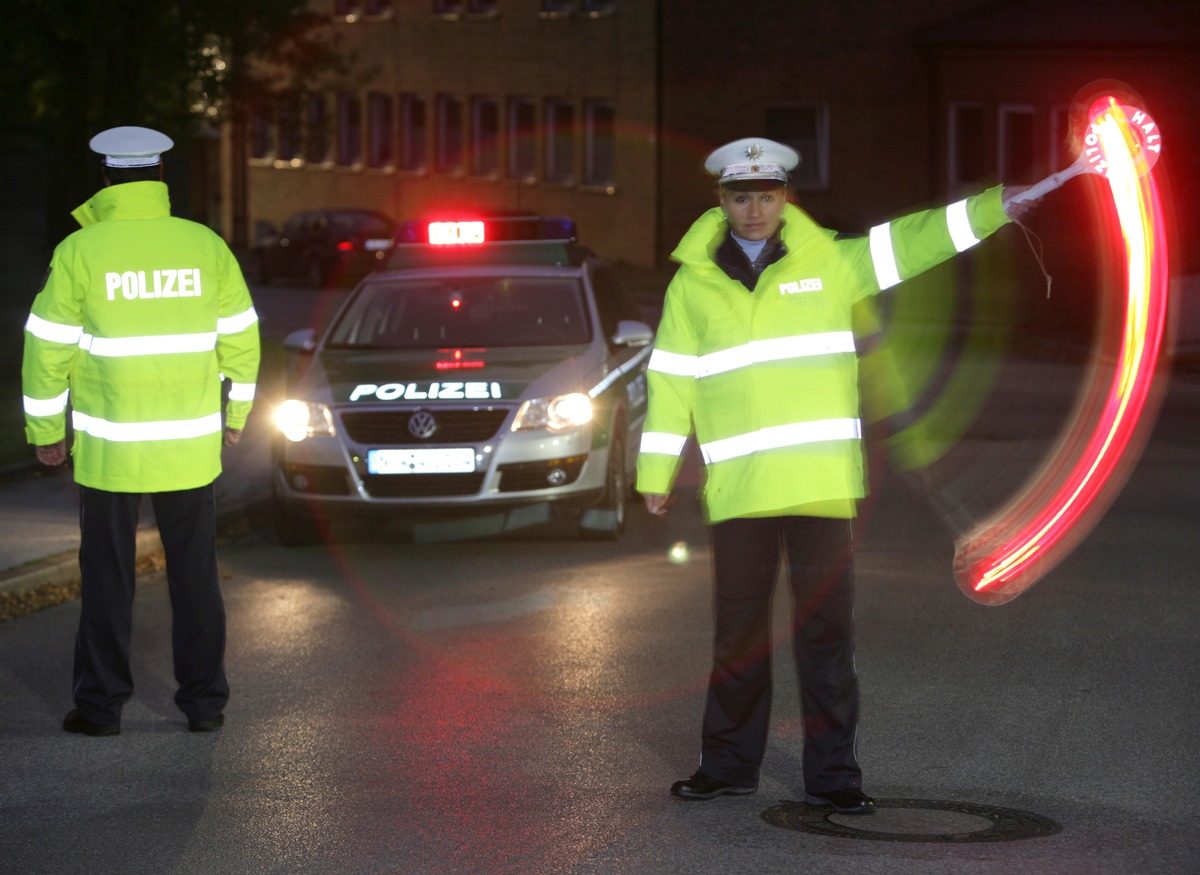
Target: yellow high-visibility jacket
[
  {"x": 139, "y": 318},
  {"x": 768, "y": 380}
]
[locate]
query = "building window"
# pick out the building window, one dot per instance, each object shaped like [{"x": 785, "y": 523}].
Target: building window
[
  {"x": 596, "y": 8},
  {"x": 485, "y": 136},
  {"x": 804, "y": 127},
  {"x": 966, "y": 144},
  {"x": 458, "y": 7},
  {"x": 291, "y": 139},
  {"x": 260, "y": 133},
  {"x": 1016, "y": 144},
  {"x": 522, "y": 138},
  {"x": 316, "y": 130},
  {"x": 381, "y": 137},
  {"x": 555, "y": 8},
  {"x": 449, "y": 134},
  {"x": 414, "y": 130},
  {"x": 560, "y": 141},
  {"x": 349, "y": 117},
  {"x": 599, "y": 142},
  {"x": 351, "y": 11}
]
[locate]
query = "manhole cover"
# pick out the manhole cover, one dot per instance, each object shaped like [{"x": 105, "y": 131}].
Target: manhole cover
[{"x": 915, "y": 820}]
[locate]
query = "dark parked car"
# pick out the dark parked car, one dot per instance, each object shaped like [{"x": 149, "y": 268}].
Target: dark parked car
[{"x": 324, "y": 247}]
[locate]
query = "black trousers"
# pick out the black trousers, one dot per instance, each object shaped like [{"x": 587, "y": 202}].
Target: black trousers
[
  {"x": 747, "y": 554},
  {"x": 107, "y": 555}
]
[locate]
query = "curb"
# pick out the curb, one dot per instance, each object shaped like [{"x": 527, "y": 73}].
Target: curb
[{"x": 62, "y": 569}]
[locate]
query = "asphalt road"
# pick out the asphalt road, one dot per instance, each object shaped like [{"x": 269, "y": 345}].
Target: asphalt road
[{"x": 522, "y": 704}]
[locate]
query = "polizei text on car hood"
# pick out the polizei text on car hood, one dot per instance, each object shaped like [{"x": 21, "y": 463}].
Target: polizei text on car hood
[{"x": 451, "y": 376}]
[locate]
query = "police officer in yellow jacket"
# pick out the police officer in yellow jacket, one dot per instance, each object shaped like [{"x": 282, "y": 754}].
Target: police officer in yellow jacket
[
  {"x": 755, "y": 354},
  {"x": 140, "y": 319}
]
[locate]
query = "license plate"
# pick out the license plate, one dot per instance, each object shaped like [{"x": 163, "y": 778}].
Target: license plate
[
  {"x": 458, "y": 460},
  {"x": 375, "y": 244}
]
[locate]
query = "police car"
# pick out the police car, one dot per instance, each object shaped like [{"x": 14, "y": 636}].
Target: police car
[{"x": 493, "y": 369}]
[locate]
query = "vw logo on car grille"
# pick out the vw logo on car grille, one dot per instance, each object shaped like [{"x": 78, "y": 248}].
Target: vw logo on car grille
[{"x": 422, "y": 425}]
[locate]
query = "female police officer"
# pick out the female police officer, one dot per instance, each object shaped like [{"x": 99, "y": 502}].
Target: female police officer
[{"x": 755, "y": 351}]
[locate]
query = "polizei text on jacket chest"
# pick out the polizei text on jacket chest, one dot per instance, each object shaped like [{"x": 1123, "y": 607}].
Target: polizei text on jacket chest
[{"x": 165, "y": 283}]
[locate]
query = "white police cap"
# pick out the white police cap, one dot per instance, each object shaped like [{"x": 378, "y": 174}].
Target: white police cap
[
  {"x": 752, "y": 159},
  {"x": 130, "y": 146}
]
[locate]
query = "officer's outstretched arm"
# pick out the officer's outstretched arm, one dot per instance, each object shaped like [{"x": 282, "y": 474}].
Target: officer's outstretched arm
[{"x": 1017, "y": 210}]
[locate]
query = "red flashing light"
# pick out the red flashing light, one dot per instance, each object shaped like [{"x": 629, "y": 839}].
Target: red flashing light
[
  {"x": 457, "y": 362},
  {"x": 455, "y": 233},
  {"x": 345, "y": 246}
]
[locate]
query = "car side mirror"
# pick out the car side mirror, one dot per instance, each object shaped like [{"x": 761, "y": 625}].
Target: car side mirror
[
  {"x": 301, "y": 340},
  {"x": 263, "y": 230},
  {"x": 631, "y": 332}
]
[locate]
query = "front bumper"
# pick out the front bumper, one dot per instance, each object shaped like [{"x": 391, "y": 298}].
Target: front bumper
[{"x": 328, "y": 475}]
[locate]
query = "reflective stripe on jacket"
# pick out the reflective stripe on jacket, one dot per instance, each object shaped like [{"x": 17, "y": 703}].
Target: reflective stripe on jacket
[
  {"x": 140, "y": 316},
  {"x": 768, "y": 380}
]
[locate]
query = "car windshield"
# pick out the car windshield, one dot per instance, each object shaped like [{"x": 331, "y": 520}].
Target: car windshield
[
  {"x": 366, "y": 224},
  {"x": 477, "y": 311}
]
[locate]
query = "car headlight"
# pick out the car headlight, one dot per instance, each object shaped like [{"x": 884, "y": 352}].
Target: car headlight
[
  {"x": 299, "y": 420},
  {"x": 554, "y": 414}
]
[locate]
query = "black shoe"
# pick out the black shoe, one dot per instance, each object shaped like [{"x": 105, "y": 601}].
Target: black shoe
[
  {"x": 700, "y": 787},
  {"x": 75, "y": 722},
  {"x": 848, "y": 801},
  {"x": 207, "y": 725}
]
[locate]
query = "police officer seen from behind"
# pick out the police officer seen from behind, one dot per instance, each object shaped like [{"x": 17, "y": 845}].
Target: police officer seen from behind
[
  {"x": 139, "y": 318},
  {"x": 755, "y": 352}
]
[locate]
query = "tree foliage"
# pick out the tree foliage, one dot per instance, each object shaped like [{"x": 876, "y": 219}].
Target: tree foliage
[
  {"x": 76, "y": 67},
  {"x": 80, "y": 65}
]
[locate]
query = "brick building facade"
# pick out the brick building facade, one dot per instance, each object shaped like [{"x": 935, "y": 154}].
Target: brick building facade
[{"x": 605, "y": 109}]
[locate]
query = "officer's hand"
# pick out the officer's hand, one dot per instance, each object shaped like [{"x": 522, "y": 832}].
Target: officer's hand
[
  {"x": 1017, "y": 211},
  {"x": 232, "y": 436},
  {"x": 53, "y": 455},
  {"x": 656, "y": 503}
]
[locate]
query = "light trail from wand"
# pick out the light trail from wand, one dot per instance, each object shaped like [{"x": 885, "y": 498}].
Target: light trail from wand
[{"x": 1003, "y": 556}]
